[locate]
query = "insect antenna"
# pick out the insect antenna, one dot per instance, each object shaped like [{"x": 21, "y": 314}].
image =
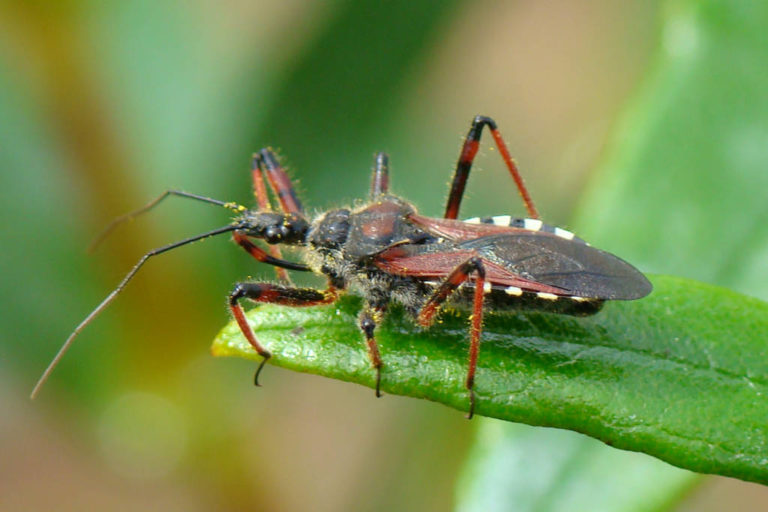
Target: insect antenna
[
  {"x": 109, "y": 298},
  {"x": 150, "y": 205}
]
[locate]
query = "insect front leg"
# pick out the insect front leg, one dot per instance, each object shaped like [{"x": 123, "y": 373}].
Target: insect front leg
[
  {"x": 279, "y": 182},
  {"x": 456, "y": 278},
  {"x": 262, "y": 201},
  {"x": 464, "y": 165},
  {"x": 273, "y": 294},
  {"x": 260, "y": 255}
]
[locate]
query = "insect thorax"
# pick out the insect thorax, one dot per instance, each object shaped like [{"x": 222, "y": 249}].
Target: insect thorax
[{"x": 342, "y": 244}]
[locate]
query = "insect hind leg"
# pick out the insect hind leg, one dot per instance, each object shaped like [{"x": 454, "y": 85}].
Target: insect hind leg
[
  {"x": 467, "y": 157},
  {"x": 456, "y": 278}
]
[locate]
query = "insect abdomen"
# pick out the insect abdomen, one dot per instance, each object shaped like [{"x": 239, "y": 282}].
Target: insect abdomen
[{"x": 507, "y": 298}]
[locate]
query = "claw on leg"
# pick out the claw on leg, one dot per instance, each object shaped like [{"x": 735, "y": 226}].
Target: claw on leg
[
  {"x": 471, "y": 404},
  {"x": 258, "y": 370},
  {"x": 274, "y": 294},
  {"x": 461, "y": 274}
]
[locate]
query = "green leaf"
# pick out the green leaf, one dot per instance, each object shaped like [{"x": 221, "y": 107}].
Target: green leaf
[{"x": 679, "y": 375}]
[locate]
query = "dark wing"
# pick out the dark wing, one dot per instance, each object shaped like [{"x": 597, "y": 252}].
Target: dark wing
[
  {"x": 578, "y": 268},
  {"x": 569, "y": 265},
  {"x": 435, "y": 265}
]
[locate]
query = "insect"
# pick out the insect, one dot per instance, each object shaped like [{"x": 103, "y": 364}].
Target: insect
[{"x": 386, "y": 251}]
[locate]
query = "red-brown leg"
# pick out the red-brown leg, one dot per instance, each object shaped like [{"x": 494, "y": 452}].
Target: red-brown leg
[
  {"x": 476, "y": 329},
  {"x": 273, "y": 294},
  {"x": 451, "y": 283},
  {"x": 259, "y": 188},
  {"x": 370, "y": 317},
  {"x": 279, "y": 182},
  {"x": 464, "y": 165},
  {"x": 261, "y": 255},
  {"x": 262, "y": 201}
]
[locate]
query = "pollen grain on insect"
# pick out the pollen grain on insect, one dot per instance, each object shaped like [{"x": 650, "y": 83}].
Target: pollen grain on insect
[{"x": 237, "y": 207}]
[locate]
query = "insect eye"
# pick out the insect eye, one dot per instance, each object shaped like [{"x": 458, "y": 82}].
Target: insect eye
[{"x": 273, "y": 234}]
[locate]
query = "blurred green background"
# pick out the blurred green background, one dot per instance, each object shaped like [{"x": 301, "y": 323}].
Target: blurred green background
[{"x": 103, "y": 105}]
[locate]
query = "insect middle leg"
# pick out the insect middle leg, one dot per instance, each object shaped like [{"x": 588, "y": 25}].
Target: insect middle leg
[
  {"x": 370, "y": 317},
  {"x": 456, "y": 278},
  {"x": 273, "y": 294},
  {"x": 464, "y": 165}
]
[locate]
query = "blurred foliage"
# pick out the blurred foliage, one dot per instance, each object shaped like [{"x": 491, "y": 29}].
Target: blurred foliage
[
  {"x": 683, "y": 189},
  {"x": 104, "y": 105}
]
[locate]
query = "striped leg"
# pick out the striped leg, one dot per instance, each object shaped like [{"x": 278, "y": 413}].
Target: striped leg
[
  {"x": 468, "y": 152},
  {"x": 261, "y": 255},
  {"x": 370, "y": 317},
  {"x": 262, "y": 201},
  {"x": 273, "y": 294},
  {"x": 279, "y": 182},
  {"x": 456, "y": 278}
]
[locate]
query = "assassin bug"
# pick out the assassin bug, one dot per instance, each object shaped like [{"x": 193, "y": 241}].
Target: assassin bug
[{"x": 387, "y": 252}]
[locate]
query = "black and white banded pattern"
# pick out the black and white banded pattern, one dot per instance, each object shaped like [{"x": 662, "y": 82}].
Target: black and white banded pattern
[
  {"x": 527, "y": 224},
  {"x": 512, "y": 297}
]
